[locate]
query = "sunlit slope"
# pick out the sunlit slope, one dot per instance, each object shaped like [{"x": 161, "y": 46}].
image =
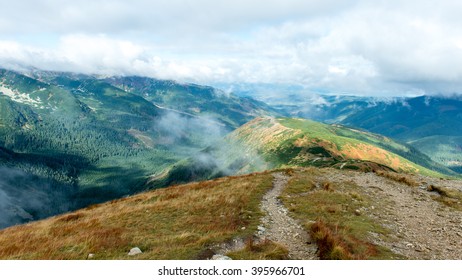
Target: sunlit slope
[
  {"x": 300, "y": 142},
  {"x": 349, "y": 214}
]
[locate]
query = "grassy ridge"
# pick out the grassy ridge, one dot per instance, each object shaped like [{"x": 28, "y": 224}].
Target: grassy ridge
[
  {"x": 298, "y": 142},
  {"x": 351, "y": 141}
]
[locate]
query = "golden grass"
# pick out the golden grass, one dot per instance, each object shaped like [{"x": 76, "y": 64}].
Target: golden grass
[
  {"x": 173, "y": 223},
  {"x": 371, "y": 153}
]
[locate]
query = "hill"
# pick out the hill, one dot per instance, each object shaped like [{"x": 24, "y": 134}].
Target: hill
[
  {"x": 344, "y": 214},
  {"x": 421, "y": 121},
  {"x": 302, "y": 142}
]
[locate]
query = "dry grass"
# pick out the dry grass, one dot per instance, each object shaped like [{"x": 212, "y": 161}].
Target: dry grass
[
  {"x": 173, "y": 223},
  {"x": 335, "y": 243},
  {"x": 449, "y": 197},
  {"x": 398, "y": 177}
]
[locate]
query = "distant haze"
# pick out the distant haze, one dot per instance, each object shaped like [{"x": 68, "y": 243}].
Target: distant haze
[{"x": 359, "y": 47}]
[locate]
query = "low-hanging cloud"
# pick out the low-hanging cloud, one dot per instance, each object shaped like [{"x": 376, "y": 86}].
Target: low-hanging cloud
[
  {"x": 180, "y": 129},
  {"x": 203, "y": 141}
]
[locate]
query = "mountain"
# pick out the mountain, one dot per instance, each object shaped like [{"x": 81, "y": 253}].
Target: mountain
[
  {"x": 98, "y": 141},
  {"x": 194, "y": 99},
  {"x": 267, "y": 143},
  {"x": 333, "y": 214},
  {"x": 431, "y": 124}
]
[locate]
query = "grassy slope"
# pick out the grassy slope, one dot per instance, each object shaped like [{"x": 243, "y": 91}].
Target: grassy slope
[
  {"x": 186, "y": 221},
  {"x": 175, "y": 223},
  {"x": 298, "y": 142},
  {"x": 268, "y": 143}
]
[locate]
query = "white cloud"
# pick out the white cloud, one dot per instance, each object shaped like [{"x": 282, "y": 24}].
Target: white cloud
[{"x": 385, "y": 47}]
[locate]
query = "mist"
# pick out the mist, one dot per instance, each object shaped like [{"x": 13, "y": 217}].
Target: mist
[
  {"x": 186, "y": 133},
  {"x": 25, "y": 197},
  {"x": 206, "y": 147},
  {"x": 203, "y": 140}
]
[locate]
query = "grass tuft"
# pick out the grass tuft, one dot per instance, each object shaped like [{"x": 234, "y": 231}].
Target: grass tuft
[
  {"x": 397, "y": 177},
  {"x": 449, "y": 197}
]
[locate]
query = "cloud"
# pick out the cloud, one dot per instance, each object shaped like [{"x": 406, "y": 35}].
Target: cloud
[
  {"x": 160, "y": 17},
  {"x": 176, "y": 129},
  {"x": 382, "y": 48}
]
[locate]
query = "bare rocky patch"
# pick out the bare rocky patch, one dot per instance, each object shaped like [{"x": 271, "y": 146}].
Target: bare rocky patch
[{"x": 420, "y": 227}]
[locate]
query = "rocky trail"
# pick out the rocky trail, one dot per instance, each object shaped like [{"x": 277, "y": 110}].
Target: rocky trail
[
  {"x": 279, "y": 227},
  {"x": 276, "y": 226}
]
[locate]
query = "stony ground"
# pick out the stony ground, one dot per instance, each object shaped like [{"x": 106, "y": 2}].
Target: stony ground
[
  {"x": 276, "y": 226},
  {"x": 421, "y": 228}
]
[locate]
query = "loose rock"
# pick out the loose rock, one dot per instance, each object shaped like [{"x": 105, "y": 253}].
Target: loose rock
[
  {"x": 220, "y": 258},
  {"x": 135, "y": 251}
]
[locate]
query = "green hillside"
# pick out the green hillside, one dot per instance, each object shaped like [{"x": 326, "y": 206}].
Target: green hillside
[
  {"x": 444, "y": 149},
  {"x": 302, "y": 142},
  {"x": 431, "y": 124}
]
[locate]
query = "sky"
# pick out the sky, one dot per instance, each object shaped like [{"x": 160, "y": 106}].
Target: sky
[{"x": 356, "y": 47}]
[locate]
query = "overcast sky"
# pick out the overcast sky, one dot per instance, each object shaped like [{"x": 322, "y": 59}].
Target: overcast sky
[{"x": 362, "y": 47}]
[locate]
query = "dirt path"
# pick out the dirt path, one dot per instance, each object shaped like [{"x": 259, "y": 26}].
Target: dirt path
[
  {"x": 421, "y": 228},
  {"x": 279, "y": 227}
]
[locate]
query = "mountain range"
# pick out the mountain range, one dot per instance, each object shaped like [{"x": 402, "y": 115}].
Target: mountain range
[{"x": 70, "y": 141}]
